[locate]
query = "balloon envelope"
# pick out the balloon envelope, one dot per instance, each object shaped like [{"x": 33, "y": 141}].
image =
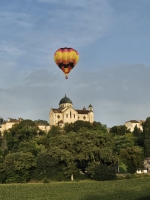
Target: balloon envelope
[{"x": 66, "y": 59}]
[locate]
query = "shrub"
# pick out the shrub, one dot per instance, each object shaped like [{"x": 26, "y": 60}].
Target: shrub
[{"x": 102, "y": 172}]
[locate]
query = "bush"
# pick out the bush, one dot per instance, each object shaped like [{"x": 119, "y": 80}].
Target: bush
[{"x": 102, "y": 172}]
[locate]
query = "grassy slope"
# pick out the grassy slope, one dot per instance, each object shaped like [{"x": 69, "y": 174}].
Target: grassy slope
[{"x": 133, "y": 189}]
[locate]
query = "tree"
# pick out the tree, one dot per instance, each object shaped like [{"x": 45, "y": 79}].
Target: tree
[
  {"x": 47, "y": 167},
  {"x": 77, "y": 125},
  {"x": 119, "y": 130},
  {"x": 132, "y": 158},
  {"x": 40, "y": 121},
  {"x": 101, "y": 172},
  {"x": 30, "y": 146},
  {"x": 55, "y": 130},
  {"x": 138, "y": 134},
  {"x": 121, "y": 142},
  {"x": 24, "y": 131},
  {"x": 146, "y": 133},
  {"x": 1, "y": 120},
  {"x": 98, "y": 126},
  {"x": 85, "y": 145},
  {"x": 18, "y": 166}
]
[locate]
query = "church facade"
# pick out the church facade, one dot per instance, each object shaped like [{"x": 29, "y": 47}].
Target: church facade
[
  {"x": 58, "y": 116},
  {"x": 67, "y": 114}
]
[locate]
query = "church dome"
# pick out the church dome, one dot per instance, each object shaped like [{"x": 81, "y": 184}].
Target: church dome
[{"x": 65, "y": 100}]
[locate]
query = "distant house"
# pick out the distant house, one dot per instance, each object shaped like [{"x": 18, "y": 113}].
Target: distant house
[
  {"x": 44, "y": 127},
  {"x": 10, "y": 122},
  {"x": 132, "y": 123}
]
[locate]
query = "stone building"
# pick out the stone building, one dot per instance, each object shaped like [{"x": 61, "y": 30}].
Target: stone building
[
  {"x": 67, "y": 114},
  {"x": 58, "y": 116},
  {"x": 132, "y": 123},
  {"x": 6, "y": 125}
]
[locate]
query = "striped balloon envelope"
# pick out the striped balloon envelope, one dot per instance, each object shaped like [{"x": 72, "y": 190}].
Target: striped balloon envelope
[{"x": 66, "y": 59}]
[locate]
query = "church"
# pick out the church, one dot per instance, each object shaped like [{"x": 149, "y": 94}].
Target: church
[
  {"x": 67, "y": 114},
  {"x": 58, "y": 116}
]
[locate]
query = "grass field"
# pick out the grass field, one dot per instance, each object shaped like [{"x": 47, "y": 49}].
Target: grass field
[{"x": 132, "y": 189}]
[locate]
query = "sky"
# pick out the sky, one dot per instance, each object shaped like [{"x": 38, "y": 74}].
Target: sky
[{"x": 112, "y": 38}]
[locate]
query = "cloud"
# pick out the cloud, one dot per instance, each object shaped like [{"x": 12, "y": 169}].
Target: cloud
[
  {"x": 80, "y": 22},
  {"x": 15, "y": 18},
  {"x": 9, "y": 49},
  {"x": 117, "y": 93},
  {"x": 31, "y": 36}
]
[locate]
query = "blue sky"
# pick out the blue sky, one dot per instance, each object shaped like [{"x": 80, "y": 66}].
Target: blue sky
[{"x": 113, "y": 72}]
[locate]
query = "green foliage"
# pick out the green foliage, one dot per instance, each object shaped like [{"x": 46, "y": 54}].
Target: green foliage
[
  {"x": 138, "y": 134},
  {"x": 146, "y": 128},
  {"x": 76, "y": 126},
  {"x": 146, "y": 132},
  {"x": 29, "y": 146},
  {"x": 54, "y": 131},
  {"x": 70, "y": 170},
  {"x": 97, "y": 126},
  {"x": 132, "y": 157},
  {"x": 101, "y": 172},
  {"x": 60, "y": 154},
  {"x": 79, "y": 124},
  {"x": 1, "y": 120},
  {"x": 40, "y": 121},
  {"x": 2, "y": 173},
  {"x": 17, "y": 166},
  {"x": 147, "y": 147},
  {"x": 81, "y": 147},
  {"x": 47, "y": 167},
  {"x": 122, "y": 142},
  {"x": 122, "y": 168},
  {"x": 25, "y": 131},
  {"x": 119, "y": 130}
]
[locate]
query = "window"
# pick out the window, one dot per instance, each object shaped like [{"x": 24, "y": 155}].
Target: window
[
  {"x": 74, "y": 116},
  {"x": 66, "y": 115},
  {"x": 84, "y": 117},
  {"x": 70, "y": 114}
]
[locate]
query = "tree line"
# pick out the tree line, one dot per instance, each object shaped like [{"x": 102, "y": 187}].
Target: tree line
[{"x": 80, "y": 150}]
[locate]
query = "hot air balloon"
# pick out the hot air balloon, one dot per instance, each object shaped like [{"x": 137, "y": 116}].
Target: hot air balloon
[{"x": 66, "y": 59}]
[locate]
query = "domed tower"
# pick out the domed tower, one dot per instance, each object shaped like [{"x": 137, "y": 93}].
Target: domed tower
[
  {"x": 65, "y": 102},
  {"x": 91, "y": 113},
  {"x": 90, "y": 107}
]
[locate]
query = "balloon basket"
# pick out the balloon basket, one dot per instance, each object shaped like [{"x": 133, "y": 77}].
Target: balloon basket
[{"x": 66, "y": 76}]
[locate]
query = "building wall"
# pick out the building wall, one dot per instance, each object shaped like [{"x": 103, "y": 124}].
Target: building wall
[
  {"x": 69, "y": 115},
  {"x": 10, "y": 124},
  {"x": 131, "y": 125}
]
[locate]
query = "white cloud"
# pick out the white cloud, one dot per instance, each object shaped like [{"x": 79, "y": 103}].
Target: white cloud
[
  {"x": 15, "y": 18},
  {"x": 113, "y": 104},
  {"x": 9, "y": 49},
  {"x": 80, "y": 22}
]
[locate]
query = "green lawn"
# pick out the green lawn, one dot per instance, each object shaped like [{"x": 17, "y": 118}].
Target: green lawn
[{"x": 132, "y": 189}]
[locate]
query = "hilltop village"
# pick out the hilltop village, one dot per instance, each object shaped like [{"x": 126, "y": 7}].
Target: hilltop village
[
  {"x": 67, "y": 114},
  {"x": 72, "y": 144}
]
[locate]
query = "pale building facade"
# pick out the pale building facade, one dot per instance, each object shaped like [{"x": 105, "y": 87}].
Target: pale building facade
[
  {"x": 132, "y": 123},
  {"x": 10, "y": 122},
  {"x": 64, "y": 114},
  {"x": 67, "y": 114}
]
